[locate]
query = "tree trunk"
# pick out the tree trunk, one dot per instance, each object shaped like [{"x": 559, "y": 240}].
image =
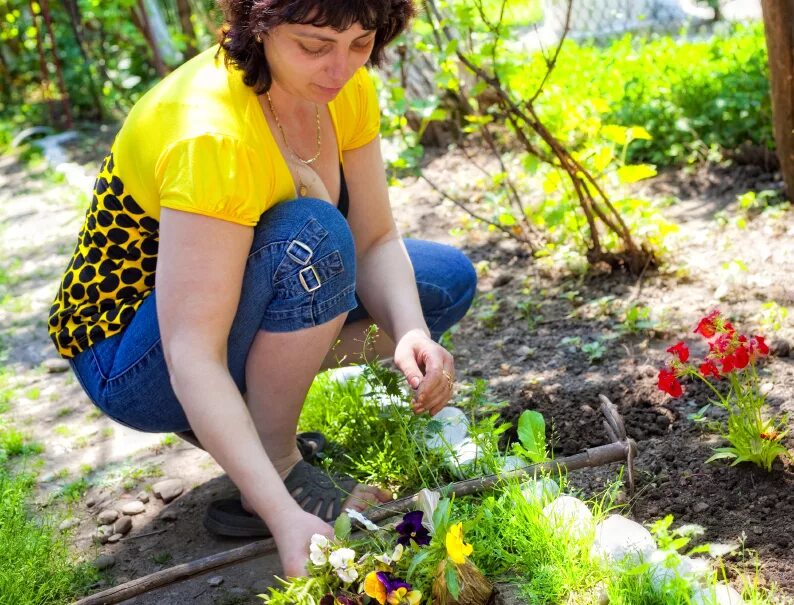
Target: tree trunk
[
  {"x": 65, "y": 101},
  {"x": 779, "y": 25},
  {"x": 45, "y": 75},
  {"x": 73, "y": 10},
  {"x": 186, "y": 24},
  {"x": 141, "y": 20}
]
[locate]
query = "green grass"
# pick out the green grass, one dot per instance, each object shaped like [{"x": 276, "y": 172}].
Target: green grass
[{"x": 36, "y": 567}]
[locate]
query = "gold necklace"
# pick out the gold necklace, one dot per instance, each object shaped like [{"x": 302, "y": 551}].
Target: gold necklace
[{"x": 284, "y": 136}]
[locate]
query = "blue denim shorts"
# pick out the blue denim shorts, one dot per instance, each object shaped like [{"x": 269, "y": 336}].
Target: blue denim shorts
[{"x": 300, "y": 273}]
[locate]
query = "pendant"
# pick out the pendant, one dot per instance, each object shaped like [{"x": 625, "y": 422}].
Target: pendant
[{"x": 303, "y": 190}]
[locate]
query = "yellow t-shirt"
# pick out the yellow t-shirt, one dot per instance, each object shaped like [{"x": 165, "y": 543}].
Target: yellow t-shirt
[{"x": 197, "y": 142}]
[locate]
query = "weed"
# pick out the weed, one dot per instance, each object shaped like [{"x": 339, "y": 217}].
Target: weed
[
  {"x": 487, "y": 310},
  {"x": 62, "y": 430},
  {"x": 772, "y": 317},
  {"x": 161, "y": 558},
  {"x": 636, "y": 319},
  {"x": 106, "y": 433},
  {"x": 14, "y": 443},
  {"x": 64, "y": 411},
  {"x": 594, "y": 350},
  {"x": 33, "y": 393},
  {"x": 74, "y": 491}
]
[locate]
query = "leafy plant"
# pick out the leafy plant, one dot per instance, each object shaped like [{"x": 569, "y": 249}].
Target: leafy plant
[
  {"x": 753, "y": 437},
  {"x": 532, "y": 437}
]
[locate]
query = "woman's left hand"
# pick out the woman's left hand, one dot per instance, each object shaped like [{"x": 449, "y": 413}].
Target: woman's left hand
[{"x": 429, "y": 369}]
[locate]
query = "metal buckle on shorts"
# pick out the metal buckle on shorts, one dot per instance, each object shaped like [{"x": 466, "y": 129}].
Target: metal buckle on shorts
[
  {"x": 302, "y": 279},
  {"x": 301, "y": 261}
]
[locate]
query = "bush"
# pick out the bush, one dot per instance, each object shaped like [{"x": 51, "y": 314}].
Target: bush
[{"x": 692, "y": 96}]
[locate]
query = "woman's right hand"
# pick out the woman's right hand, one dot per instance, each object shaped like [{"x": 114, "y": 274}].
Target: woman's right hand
[{"x": 293, "y": 534}]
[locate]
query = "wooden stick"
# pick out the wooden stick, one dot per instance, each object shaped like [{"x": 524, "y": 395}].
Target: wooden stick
[{"x": 597, "y": 456}]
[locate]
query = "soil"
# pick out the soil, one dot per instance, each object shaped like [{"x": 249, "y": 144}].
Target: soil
[{"x": 530, "y": 360}]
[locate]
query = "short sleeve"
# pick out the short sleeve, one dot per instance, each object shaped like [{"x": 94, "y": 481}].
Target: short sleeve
[
  {"x": 214, "y": 175},
  {"x": 363, "y": 103}
]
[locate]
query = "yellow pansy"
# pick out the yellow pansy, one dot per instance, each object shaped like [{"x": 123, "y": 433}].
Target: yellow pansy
[
  {"x": 457, "y": 549},
  {"x": 374, "y": 588},
  {"x": 401, "y": 596}
]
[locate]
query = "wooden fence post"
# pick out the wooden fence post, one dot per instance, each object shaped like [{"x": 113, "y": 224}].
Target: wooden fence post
[{"x": 779, "y": 25}]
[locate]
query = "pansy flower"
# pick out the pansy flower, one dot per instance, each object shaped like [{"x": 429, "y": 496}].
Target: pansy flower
[
  {"x": 319, "y": 549},
  {"x": 411, "y": 528},
  {"x": 457, "y": 549},
  {"x": 386, "y": 560},
  {"x": 386, "y": 589},
  {"x": 342, "y": 562}
]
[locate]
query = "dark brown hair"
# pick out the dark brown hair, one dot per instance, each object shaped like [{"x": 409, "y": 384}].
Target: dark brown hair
[{"x": 245, "y": 20}]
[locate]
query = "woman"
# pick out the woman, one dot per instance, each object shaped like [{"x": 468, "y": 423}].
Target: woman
[{"x": 252, "y": 290}]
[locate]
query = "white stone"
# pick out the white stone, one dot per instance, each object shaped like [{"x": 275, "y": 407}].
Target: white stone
[
  {"x": 666, "y": 565},
  {"x": 721, "y": 594},
  {"x": 455, "y": 429},
  {"x": 569, "y": 516},
  {"x": 463, "y": 460},
  {"x": 510, "y": 463},
  {"x": 618, "y": 539},
  {"x": 540, "y": 491}
]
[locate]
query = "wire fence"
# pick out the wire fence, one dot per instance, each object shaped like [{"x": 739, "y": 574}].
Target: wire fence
[{"x": 607, "y": 18}]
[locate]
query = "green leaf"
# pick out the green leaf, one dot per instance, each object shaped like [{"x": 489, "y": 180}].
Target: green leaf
[
  {"x": 635, "y": 172},
  {"x": 451, "y": 577},
  {"x": 441, "y": 516},
  {"x": 720, "y": 455},
  {"x": 417, "y": 561},
  {"x": 342, "y": 527},
  {"x": 532, "y": 434},
  {"x": 507, "y": 219}
]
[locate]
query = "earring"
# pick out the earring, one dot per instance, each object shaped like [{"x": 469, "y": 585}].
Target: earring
[{"x": 258, "y": 38}]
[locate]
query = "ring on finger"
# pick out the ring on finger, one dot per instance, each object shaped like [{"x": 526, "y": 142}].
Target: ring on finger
[{"x": 448, "y": 376}]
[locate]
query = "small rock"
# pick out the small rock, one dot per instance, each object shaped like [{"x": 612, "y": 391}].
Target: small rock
[
  {"x": 540, "y": 491},
  {"x": 142, "y": 497},
  {"x": 215, "y": 581},
  {"x": 453, "y": 429},
  {"x": 115, "y": 538},
  {"x": 260, "y": 587},
  {"x": 122, "y": 526},
  {"x": 67, "y": 524},
  {"x": 105, "y": 561},
  {"x": 662, "y": 422},
  {"x": 107, "y": 516},
  {"x": 168, "y": 489},
  {"x": 700, "y": 507},
  {"x": 757, "y": 530},
  {"x": 133, "y": 508},
  {"x": 618, "y": 539},
  {"x": 90, "y": 502},
  {"x": 103, "y": 532},
  {"x": 55, "y": 365},
  {"x": 169, "y": 515},
  {"x": 780, "y": 347},
  {"x": 502, "y": 279},
  {"x": 721, "y": 594},
  {"x": 569, "y": 516},
  {"x": 525, "y": 352}
]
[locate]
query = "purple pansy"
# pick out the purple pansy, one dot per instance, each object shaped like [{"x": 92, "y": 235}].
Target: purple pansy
[
  {"x": 390, "y": 583},
  {"x": 411, "y": 528}
]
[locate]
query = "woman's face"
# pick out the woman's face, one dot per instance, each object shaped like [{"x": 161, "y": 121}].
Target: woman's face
[{"x": 314, "y": 63}]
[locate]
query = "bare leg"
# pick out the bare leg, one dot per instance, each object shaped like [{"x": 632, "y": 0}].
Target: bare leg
[
  {"x": 279, "y": 370},
  {"x": 349, "y": 349}
]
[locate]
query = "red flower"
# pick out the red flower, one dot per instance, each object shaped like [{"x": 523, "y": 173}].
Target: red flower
[
  {"x": 757, "y": 345},
  {"x": 707, "y": 327},
  {"x": 741, "y": 357},
  {"x": 709, "y": 368},
  {"x": 722, "y": 343},
  {"x": 669, "y": 383},
  {"x": 681, "y": 351},
  {"x": 727, "y": 364}
]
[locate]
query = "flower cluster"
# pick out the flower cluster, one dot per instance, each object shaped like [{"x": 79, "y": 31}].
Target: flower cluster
[
  {"x": 729, "y": 352},
  {"x": 752, "y": 435},
  {"x": 341, "y": 568}
]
